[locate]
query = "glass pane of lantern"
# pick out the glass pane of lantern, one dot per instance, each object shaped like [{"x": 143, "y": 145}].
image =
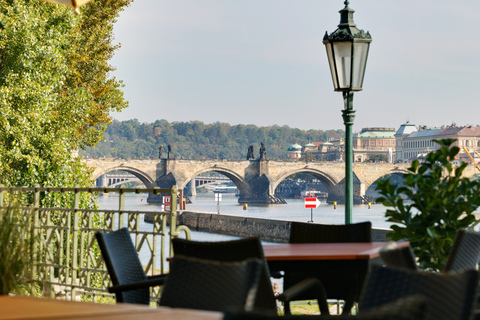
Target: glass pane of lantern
[
  {"x": 343, "y": 61},
  {"x": 359, "y": 63},
  {"x": 331, "y": 62}
]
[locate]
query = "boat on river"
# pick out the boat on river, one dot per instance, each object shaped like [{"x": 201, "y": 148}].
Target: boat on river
[
  {"x": 226, "y": 189},
  {"x": 312, "y": 194}
]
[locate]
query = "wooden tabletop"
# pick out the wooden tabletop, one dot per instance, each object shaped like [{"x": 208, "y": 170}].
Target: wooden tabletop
[
  {"x": 324, "y": 251},
  {"x": 16, "y": 308}
]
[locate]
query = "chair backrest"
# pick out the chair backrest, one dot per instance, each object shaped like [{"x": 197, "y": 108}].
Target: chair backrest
[
  {"x": 211, "y": 285},
  {"x": 233, "y": 251},
  {"x": 123, "y": 264},
  {"x": 338, "y": 284},
  {"x": 401, "y": 257},
  {"x": 301, "y": 232},
  {"x": 408, "y": 308},
  {"x": 465, "y": 252},
  {"x": 449, "y": 296}
]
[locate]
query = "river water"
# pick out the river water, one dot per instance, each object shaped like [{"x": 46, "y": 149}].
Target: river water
[{"x": 292, "y": 211}]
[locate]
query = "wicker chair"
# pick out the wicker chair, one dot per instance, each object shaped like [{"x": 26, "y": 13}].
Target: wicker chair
[
  {"x": 408, "y": 308},
  {"x": 130, "y": 283},
  {"x": 465, "y": 253},
  {"x": 238, "y": 250},
  {"x": 449, "y": 295},
  {"x": 211, "y": 285},
  {"x": 402, "y": 257},
  {"x": 339, "y": 285}
]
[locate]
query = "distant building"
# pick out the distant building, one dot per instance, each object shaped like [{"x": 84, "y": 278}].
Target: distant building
[
  {"x": 414, "y": 144},
  {"x": 373, "y": 141},
  {"x": 370, "y": 141},
  {"x": 404, "y": 131},
  {"x": 404, "y": 145},
  {"x": 294, "y": 152}
]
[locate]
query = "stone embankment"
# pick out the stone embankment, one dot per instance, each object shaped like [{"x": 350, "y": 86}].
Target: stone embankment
[{"x": 267, "y": 229}]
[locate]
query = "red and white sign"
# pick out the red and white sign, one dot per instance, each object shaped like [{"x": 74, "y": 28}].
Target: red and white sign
[
  {"x": 311, "y": 203},
  {"x": 167, "y": 200}
]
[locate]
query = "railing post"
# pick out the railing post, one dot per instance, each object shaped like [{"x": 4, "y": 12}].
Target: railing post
[
  {"x": 173, "y": 217},
  {"x": 121, "y": 207},
  {"x": 75, "y": 235},
  {"x": 37, "y": 246}
]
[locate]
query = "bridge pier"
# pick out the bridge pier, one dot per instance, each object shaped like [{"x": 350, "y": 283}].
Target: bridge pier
[
  {"x": 338, "y": 194},
  {"x": 190, "y": 189},
  {"x": 101, "y": 182}
]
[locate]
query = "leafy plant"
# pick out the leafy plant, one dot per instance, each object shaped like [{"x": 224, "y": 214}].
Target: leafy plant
[
  {"x": 16, "y": 245},
  {"x": 431, "y": 205}
]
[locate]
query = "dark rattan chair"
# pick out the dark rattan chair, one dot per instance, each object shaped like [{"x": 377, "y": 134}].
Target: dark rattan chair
[
  {"x": 465, "y": 253},
  {"x": 408, "y": 308},
  {"x": 211, "y": 285},
  {"x": 449, "y": 295},
  {"x": 238, "y": 250},
  {"x": 339, "y": 285},
  {"x": 130, "y": 283},
  {"x": 400, "y": 257}
]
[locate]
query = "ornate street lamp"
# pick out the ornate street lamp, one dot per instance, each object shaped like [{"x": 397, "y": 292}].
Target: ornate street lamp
[{"x": 347, "y": 51}]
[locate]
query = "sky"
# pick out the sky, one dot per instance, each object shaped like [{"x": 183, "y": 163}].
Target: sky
[{"x": 263, "y": 62}]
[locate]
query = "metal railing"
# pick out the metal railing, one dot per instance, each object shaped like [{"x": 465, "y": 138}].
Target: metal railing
[{"x": 66, "y": 260}]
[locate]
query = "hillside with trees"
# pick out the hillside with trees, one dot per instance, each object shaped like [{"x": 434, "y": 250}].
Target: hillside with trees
[{"x": 197, "y": 140}]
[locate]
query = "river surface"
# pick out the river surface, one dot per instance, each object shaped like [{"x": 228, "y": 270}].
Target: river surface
[{"x": 292, "y": 211}]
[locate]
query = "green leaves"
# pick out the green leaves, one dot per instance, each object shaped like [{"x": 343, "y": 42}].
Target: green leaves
[
  {"x": 55, "y": 88},
  {"x": 433, "y": 203}
]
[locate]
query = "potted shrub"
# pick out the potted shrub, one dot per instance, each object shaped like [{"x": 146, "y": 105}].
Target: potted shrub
[{"x": 431, "y": 205}]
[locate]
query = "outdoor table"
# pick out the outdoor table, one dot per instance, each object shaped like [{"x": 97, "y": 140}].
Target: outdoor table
[
  {"x": 16, "y": 307},
  {"x": 319, "y": 257}
]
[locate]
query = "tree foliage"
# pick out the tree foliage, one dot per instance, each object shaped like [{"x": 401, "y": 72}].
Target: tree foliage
[
  {"x": 55, "y": 88},
  {"x": 196, "y": 139},
  {"x": 377, "y": 158},
  {"x": 431, "y": 205}
]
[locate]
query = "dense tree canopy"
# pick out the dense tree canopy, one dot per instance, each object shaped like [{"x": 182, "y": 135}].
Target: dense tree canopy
[
  {"x": 196, "y": 139},
  {"x": 56, "y": 92}
]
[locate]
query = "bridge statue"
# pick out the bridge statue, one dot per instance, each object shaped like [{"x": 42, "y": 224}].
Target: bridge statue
[
  {"x": 263, "y": 152},
  {"x": 170, "y": 153},
  {"x": 160, "y": 151},
  {"x": 250, "y": 154}
]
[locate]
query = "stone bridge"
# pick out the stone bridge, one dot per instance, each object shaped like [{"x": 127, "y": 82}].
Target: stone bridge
[{"x": 255, "y": 179}]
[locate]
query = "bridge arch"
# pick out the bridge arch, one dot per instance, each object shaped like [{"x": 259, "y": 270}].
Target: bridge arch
[
  {"x": 368, "y": 182},
  {"x": 144, "y": 177},
  {"x": 327, "y": 180},
  {"x": 232, "y": 175}
]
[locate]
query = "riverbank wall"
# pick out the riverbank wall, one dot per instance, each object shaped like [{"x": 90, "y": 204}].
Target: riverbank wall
[{"x": 270, "y": 230}]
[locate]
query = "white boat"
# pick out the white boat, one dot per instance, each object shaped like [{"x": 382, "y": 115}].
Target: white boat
[{"x": 225, "y": 190}]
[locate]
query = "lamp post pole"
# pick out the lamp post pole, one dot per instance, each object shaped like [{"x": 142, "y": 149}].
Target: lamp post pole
[
  {"x": 347, "y": 51},
  {"x": 348, "y": 115}
]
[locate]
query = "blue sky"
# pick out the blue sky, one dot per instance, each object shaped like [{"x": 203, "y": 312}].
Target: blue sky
[{"x": 262, "y": 62}]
